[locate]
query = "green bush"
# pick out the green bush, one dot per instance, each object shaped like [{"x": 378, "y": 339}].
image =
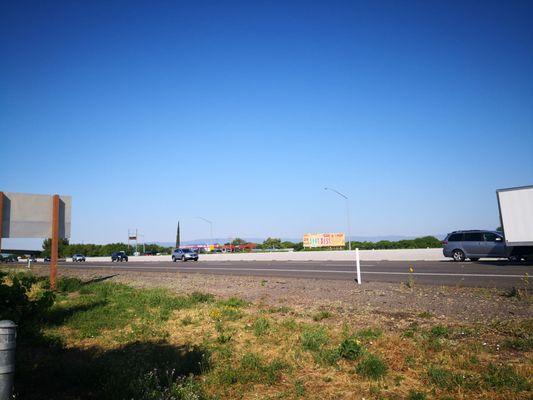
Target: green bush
[
  {"x": 372, "y": 367},
  {"x": 24, "y": 297}
]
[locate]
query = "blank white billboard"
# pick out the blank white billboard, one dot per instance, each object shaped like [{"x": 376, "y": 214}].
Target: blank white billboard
[
  {"x": 30, "y": 215},
  {"x": 516, "y": 211}
]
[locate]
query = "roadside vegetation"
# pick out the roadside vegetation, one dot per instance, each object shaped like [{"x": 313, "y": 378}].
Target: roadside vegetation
[
  {"x": 103, "y": 340},
  {"x": 95, "y": 250}
]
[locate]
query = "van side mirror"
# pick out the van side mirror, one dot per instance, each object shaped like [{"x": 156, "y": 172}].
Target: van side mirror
[{"x": 498, "y": 239}]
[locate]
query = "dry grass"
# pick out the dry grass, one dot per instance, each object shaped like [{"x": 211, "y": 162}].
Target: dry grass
[{"x": 282, "y": 353}]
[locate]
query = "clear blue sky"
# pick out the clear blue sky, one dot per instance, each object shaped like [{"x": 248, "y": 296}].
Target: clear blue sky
[{"x": 241, "y": 112}]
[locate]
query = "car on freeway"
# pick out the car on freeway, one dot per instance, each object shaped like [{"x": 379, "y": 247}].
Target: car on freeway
[
  {"x": 78, "y": 258},
  {"x": 8, "y": 258},
  {"x": 184, "y": 255},
  {"x": 47, "y": 259},
  {"x": 119, "y": 256},
  {"x": 474, "y": 244}
]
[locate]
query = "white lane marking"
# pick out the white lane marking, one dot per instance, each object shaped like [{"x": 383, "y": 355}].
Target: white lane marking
[{"x": 311, "y": 270}]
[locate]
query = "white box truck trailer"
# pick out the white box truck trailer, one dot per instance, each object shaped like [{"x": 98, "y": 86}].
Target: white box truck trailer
[{"x": 516, "y": 216}]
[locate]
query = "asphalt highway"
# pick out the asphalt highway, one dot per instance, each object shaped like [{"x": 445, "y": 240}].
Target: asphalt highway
[{"x": 476, "y": 274}]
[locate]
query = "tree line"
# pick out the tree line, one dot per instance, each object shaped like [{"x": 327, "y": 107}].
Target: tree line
[
  {"x": 95, "y": 250},
  {"x": 417, "y": 243},
  {"x": 65, "y": 249}
]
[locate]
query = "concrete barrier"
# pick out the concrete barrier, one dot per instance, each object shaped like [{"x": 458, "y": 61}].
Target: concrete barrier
[{"x": 366, "y": 255}]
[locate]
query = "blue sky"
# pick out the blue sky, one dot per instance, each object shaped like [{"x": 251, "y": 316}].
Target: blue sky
[{"x": 241, "y": 112}]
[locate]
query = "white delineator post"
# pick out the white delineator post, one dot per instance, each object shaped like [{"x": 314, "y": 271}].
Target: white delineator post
[{"x": 358, "y": 265}]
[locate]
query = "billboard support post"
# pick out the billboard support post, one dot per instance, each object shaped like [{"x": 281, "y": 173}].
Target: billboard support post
[
  {"x": 358, "y": 265},
  {"x": 55, "y": 241}
]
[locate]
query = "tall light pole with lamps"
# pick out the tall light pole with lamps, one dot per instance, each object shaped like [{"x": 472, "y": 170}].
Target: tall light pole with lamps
[{"x": 347, "y": 213}]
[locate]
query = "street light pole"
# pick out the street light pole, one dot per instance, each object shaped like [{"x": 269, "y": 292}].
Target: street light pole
[
  {"x": 210, "y": 227},
  {"x": 347, "y": 213}
]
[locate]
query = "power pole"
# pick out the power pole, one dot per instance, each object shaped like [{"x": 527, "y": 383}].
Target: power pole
[{"x": 178, "y": 236}]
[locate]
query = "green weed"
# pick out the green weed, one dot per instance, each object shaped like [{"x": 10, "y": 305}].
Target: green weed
[
  {"x": 69, "y": 285},
  {"x": 505, "y": 377},
  {"x": 322, "y": 315},
  {"x": 299, "y": 388},
  {"x": 415, "y": 395},
  {"x": 519, "y": 343},
  {"x": 440, "y": 331},
  {"x": 252, "y": 369},
  {"x": 372, "y": 367},
  {"x": 350, "y": 348},
  {"x": 369, "y": 333},
  {"x": 234, "y": 302},
  {"x": 260, "y": 326},
  {"x": 314, "y": 337}
]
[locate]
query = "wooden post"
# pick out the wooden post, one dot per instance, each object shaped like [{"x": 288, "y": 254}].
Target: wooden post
[
  {"x": 55, "y": 241},
  {"x": 1, "y": 218}
]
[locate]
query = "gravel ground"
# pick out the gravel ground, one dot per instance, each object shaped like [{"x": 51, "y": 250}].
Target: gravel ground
[{"x": 387, "y": 300}]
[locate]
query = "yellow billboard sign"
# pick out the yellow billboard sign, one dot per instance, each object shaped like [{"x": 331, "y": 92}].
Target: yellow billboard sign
[{"x": 324, "y": 240}]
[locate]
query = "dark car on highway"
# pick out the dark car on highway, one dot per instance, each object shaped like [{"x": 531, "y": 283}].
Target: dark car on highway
[
  {"x": 474, "y": 245},
  {"x": 119, "y": 256},
  {"x": 8, "y": 258}
]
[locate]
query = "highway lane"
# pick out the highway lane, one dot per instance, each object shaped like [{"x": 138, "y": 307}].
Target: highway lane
[{"x": 479, "y": 274}]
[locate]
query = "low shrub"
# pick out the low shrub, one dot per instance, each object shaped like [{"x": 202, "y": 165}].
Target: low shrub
[{"x": 24, "y": 297}]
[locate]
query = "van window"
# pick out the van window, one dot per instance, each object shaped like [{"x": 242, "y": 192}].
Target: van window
[
  {"x": 473, "y": 237},
  {"x": 490, "y": 237},
  {"x": 456, "y": 237}
]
